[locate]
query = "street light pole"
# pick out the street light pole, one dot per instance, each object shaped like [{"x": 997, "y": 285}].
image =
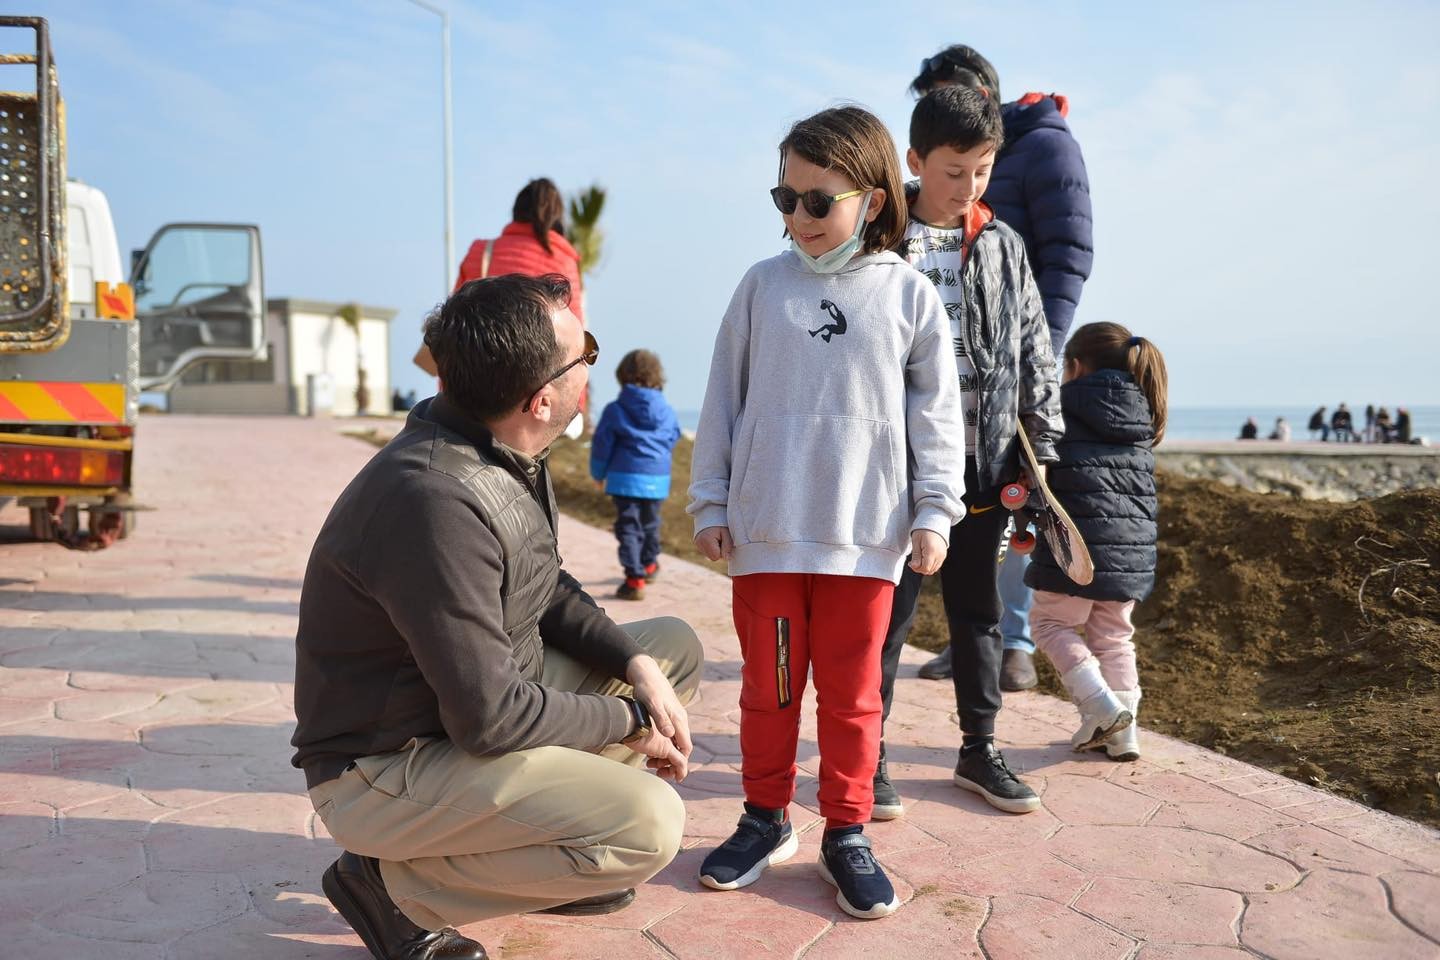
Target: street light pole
[{"x": 444, "y": 16}]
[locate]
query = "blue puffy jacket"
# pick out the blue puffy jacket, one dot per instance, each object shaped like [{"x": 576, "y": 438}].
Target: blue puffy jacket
[
  {"x": 631, "y": 447},
  {"x": 1040, "y": 189},
  {"x": 1105, "y": 479}
]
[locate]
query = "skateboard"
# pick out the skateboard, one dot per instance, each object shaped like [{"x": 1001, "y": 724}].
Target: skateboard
[{"x": 1037, "y": 504}]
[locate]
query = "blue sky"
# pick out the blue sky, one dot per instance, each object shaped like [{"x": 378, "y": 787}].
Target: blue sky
[{"x": 1263, "y": 174}]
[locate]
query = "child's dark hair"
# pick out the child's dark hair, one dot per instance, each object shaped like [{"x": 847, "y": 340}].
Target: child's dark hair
[
  {"x": 958, "y": 117},
  {"x": 1109, "y": 346},
  {"x": 539, "y": 204},
  {"x": 641, "y": 368},
  {"x": 957, "y": 64},
  {"x": 853, "y": 141}
]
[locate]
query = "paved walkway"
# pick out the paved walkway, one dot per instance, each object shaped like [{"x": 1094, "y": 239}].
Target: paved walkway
[{"x": 148, "y": 809}]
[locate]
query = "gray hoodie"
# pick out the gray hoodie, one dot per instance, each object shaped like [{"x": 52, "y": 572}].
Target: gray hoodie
[{"x": 833, "y": 414}]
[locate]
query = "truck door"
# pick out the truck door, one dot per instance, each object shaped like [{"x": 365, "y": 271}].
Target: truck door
[{"x": 199, "y": 295}]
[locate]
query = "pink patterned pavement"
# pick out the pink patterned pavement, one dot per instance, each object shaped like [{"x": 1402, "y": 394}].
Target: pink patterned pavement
[{"x": 148, "y": 809}]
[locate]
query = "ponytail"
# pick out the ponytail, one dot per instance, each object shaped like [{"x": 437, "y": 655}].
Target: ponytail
[{"x": 1101, "y": 346}]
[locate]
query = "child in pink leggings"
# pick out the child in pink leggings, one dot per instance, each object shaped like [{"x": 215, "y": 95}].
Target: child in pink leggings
[{"x": 1113, "y": 399}]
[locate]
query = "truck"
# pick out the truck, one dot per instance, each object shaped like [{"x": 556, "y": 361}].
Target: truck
[{"x": 80, "y": 339}]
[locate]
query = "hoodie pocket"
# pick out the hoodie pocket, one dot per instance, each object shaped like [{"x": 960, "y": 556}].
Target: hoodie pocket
[{"x": 814, "y": 479}]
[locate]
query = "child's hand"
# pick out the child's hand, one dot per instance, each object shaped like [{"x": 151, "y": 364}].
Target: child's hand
[
  {"x": 599, "y": 484},
  {"x": 715, "y": 543},
  {"x": 927, "y": 551}
]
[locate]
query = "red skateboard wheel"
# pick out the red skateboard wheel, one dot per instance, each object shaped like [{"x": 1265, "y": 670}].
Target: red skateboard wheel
[
  {"x": 1013, "y": 496},
  {"x": 1022, "y": 541}
]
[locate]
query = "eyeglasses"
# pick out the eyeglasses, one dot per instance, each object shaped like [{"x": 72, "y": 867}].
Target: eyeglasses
[
  {"x": 933, "y": 64},
  {"x": 817, "y": 204},
  {"x": 588, "y": 357}
]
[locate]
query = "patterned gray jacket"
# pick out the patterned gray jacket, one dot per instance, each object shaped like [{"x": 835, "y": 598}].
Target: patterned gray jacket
[{"x": 1004, "y": 323}]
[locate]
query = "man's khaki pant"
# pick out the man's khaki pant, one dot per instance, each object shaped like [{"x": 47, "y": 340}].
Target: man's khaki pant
[{"x": 462, "y": 838}]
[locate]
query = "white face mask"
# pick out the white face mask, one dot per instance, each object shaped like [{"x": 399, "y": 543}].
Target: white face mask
[{"x": 841, "y": 255}]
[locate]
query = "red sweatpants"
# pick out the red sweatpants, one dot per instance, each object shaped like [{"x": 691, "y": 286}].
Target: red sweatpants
[{"x": 789, "y": 623}]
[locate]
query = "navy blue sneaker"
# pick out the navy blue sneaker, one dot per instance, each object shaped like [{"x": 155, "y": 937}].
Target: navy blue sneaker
[
  {"x": 861, "y": 887},
  {"x": 757, "y": 842}
]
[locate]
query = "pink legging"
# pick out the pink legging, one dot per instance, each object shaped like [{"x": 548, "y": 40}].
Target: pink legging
[{"x": 1054, "y": 618}]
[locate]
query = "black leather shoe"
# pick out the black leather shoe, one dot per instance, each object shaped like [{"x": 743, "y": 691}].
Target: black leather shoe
[
  {"x": 354, "y": 886},
  {"x": 594, "y": 906},
  {"x": 938, "y": 666},
  {"x": 1017, "y": 671}
]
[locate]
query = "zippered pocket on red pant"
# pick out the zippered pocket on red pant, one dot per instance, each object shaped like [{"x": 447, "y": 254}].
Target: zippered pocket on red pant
[{"x": 782, "y": 660}]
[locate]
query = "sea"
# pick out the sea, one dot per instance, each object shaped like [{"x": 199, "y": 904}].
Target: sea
[{"x": 1224, "y": 423}]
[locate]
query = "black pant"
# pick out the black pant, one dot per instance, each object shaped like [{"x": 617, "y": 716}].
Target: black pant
[
  {"x": 637, "y": 527},
  {"x": 968, "y": 583}
]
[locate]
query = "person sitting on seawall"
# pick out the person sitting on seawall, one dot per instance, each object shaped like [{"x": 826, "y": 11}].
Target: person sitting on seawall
[
  {"x": 1342, "y": 425},
  {"x": 1384, "y": 429},
  {"x": 1251, "y": 430},
  {"x": 1281, "y": 431},
  {"x": 1402, "y": 427},
  {"x": 1318, "y": 425},
  {"x": 472, "y": 727}
]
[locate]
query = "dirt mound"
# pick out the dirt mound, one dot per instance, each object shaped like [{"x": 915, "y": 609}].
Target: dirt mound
[{"x": 1259, "y": 641}]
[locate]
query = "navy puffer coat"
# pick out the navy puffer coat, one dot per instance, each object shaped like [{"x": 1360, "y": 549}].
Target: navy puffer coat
[
  {"x": 1105, "y": 479},
  {"x": 1040, "y": 189}
]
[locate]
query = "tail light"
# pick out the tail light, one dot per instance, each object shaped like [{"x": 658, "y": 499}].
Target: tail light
[{"x": 61, "y": 466}]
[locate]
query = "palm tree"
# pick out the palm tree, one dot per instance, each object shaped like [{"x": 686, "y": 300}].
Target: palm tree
[
  {"x": 351, "y": 314},
  {"x": 588, "y": 240}
]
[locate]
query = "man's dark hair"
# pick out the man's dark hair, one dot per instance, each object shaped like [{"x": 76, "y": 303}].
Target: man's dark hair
[
  {"x": 957, "y": 64},
  {"x": 958, "y": 117},
  {"x": 494, "y": 341}
]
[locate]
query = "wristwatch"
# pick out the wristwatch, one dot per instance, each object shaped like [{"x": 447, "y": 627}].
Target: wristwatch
[{"x": 640, "y": 717}]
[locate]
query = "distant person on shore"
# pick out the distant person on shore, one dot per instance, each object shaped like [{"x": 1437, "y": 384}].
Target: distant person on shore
[
  {"x": 1251, "y": 430},
  {"x": 1039, "y": 188},
  {"x": 1281, "y": 431},
  {"x": 1402, "y": 426},
  {"x": 1383, "y": 429},
  {"x": 1318, "y": 425},
  {"x": 1114, "y": 400},
  {"x": 1342, "y": 425},
  {"x": 1371, "y": 435},
  {"x": 630, "y": 455},
  {"x": 831, "y": 445}
]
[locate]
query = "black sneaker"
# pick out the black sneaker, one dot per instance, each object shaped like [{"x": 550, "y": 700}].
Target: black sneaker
[
  {"x": 756, "y": 844},
  {"x": 937, "y": 667},
  {"x": 983, "y": 771},
  {"x": 861, "y": 887},
  {"x": 888, "y": 805}
]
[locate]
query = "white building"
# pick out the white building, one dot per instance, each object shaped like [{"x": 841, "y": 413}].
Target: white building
[{"x": 303, "y": 339}]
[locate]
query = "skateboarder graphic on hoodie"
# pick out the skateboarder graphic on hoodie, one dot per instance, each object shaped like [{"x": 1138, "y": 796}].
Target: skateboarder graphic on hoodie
[{"x": 832, "y": 372}]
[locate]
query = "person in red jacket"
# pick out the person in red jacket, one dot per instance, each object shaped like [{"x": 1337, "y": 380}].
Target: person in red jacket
[{"x": 533, "y": 243}]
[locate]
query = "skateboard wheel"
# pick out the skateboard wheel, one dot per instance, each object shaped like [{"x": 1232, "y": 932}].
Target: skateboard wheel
[
  {"x": 1013, "y": 496},
  {"x": 1022, "y": 542}
]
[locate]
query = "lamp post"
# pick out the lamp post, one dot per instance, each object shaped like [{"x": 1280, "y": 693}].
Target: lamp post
[{"x": 444, "y": 16}]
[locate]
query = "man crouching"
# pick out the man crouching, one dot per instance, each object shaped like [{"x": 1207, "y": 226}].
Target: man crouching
[{"x": 462, "y": 703}]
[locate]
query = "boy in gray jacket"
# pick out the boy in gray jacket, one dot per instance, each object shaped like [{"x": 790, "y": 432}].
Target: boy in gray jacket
[{"x": 1007, "y": 382}]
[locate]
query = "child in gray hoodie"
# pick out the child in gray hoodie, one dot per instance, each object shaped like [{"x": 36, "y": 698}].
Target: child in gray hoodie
[{"x": 830, "y": 446}]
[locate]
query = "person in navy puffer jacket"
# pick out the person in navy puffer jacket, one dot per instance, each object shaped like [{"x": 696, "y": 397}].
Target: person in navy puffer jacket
[
  {"x": 1114, "y": 402},
  {"x": 1038, "y": 188},
  {"x": 630, "y": 453}
]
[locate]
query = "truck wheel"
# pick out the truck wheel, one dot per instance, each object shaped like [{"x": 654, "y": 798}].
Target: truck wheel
[
  {"x": 40, "y": 527},
  {"x": 122, "y": 523}
]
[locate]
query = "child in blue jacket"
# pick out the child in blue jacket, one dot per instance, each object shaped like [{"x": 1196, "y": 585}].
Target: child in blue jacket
[{"x": 630, "y": 453}]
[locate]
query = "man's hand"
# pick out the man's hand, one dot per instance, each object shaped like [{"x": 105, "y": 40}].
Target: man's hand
[
  {"x": 927, "y": 551},
  {"x": 668, "y": 745},
  {"x": 715, "y": 543}
]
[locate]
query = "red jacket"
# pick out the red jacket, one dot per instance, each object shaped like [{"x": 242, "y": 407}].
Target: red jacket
[{"x": 517, "y": 251}]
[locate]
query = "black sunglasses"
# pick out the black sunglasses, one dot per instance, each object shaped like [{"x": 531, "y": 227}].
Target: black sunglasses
[
  {"x": 588, "y": 357},
  {"x": 817, "y": 204}
]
